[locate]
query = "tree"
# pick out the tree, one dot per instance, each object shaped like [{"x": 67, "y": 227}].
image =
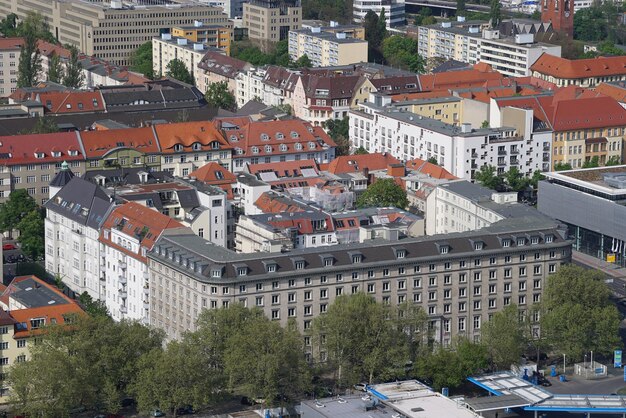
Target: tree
[
  {"x": 29, "y": 64},
  {"x": 218, "y": 95},
  {"x": 383, "y": 193},
  {"x": 286, "y": 107},
  {"x": 36, "y": 23},
  {"x": 141, "y": 60},
  {"x": 361, "y": 151},
  {"x": 176, "y": 69},
  {"x": 339, "y": 131},
  {"x": 592, "y": 162},
  {"x": 401, "y": 51},
  {"x": 504, "y": 338},
  {"x": 535, "y": 179},
  {"x": 74, "y": 77},
  {"x": 55, "y": 69},
  {"x": 93, "y": 307},
  {"x": 614, "y": 160},
  {"x": 19, "y": 204},
  {"x": 559, "y": 166},
  {"x": 372, "y": 30},
  {"x": 577, "y": 313},
  {"x": 487, "y": 177},
  {"x": 32, "y": 232},
  {"x": 515, "y": 180},
  {"x": 382, "y": 24},
  {"x": 302, "y": 62},
  {"x": 495, "y": 13},
  {"x": 433, "y": 160},
  {"x": 460, "y": 7},
  {"x": 43, "y": 125},
  {"x": 485, "y": 124},
  {"x": 8, "y": 26}
]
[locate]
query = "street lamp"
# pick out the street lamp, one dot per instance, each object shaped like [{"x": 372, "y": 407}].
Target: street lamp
[{"x": 585, "y": 361}]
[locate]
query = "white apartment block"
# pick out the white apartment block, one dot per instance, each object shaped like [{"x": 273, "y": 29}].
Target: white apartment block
[
  {"x": 471, "y": 42},
  {"x": 326, "y": 48},
  {"x": 250, "y": 86},
  {"x": 394, "y": 11},
  {"x": 168, "y": 48},
  {"x": 9, "y": 59},
  {"x": 461, "y": 150}
]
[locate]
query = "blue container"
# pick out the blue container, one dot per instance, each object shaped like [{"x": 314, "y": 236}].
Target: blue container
[
  {"x": 444, "y": 391},
  {"x": 553, "y": 371}
]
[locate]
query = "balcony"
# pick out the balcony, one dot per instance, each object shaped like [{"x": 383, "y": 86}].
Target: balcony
[
  {"x": 514, "y": 151},
  {"x": 501, "y": 152},
  {"x": 123, "y": 293},
  {"x": 514, "y": 161},
  {"x": 146, "y": 304},
  {"x": 123, "y": 265},
  {"x": 103, "y": 262},
  {"x": 146, "y": 276},
  {"x": 123, "y": 309},
  {"x": 546, "y": 157},
  {"x": 501, "y": 162},
  {"x": 474, "y": 155},
  {"x": 146, "y": 290},
  {"x": 103, "y": 276},
  {"x": 122, "y": 279},
  {"x": 546, "y": 147}
]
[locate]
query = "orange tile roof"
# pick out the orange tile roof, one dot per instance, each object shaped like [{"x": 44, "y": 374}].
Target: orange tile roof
[
  {"x": 458, "y": 79},
  {"x": 100, "y": 143},
  {"x": 137, "y": 220},
  {"x": 270, "y": 202},
  {"x": 430, "y": 169},
  {"x": 595, "y": 112},
  {"x": 71, "y": 101},
  {"x": 188, "y": 134},
  {"x": 52, "y": 148},
  {"x": 421, "y": 95},
  {"x": 283, "y": 169},
  {"x": 11, "y": 43},
  {"x": 216, "y": 175},
  {"x": 616, "y": 91},
  {"x": 358, "y": 163},
  {"x": 48, "y": 49},
  {"x": 52, "y": 314},
  {"x": 573, "y": 69}
]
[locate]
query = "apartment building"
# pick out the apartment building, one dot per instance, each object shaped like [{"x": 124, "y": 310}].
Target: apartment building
[
  {"x": 269, "y": 21},
  {"x": 167, "y": 48},
  {"x": 459, "y": 280},
  {"x": 329, "y": 46},
  {"x": 27, "y": 305},
  {"x": 250, "y": 86},
  {"x": 31, "y": 161},
  {"x": 101, "y": 29},
  {"x": 215, "y": 36},
  {"x": 394, "y": 11},
  {"x": 472, "y": 42},
  {"x": 127, "y": 234},
  {"x": 461, "y": 150},
  {"x": 216, "y": 67},
  {"x": 9, "y": 59},
  {"x": 75, "y": 213},
  {"x": 584, "y": 73}
]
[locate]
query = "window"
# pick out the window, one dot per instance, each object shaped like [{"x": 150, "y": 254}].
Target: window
[
  {"x": 371, "y": 288},
  {"x": 447, "y": 279},
  {"x": 275, "y": 314},
  {"x": 307, "y": 295},
  {"x": 492, "y": 289},
  {"x": 462, "y": 292},
  {"x": 4, "y": 345},
  {"x": 537, "y": 270},
  {"x": 259, "y": 301},
  {"x": 476, "y": 322},
  {"x": 461, "y": 325},
  {"x": 401, "y": 284},
  {"x": 323, "y": 293},
  {"x": 386, "y": 287},
  {"x": 522, "y": 271},
  {"x": 551, "y": 268},
  {"x": 21, "y": 343},
  {"x": 522, "y": 286},
  {"x": 462, "y": 278},
  {"x": 275, "y": 299}
]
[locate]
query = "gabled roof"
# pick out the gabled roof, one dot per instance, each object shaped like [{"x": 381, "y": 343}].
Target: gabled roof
[
  {"x": 335, "y": 87},
  {"x": 456, "y": 79},
  {"x": 202, "y": 134},
  {"x": 216, "y": 175},
  {"x": 301, "y": 168},
  {"x": 11, "y": 44},
  {"x": 218, "y": 63},
  {"x": 100, "y": 143},
  {"x": 573, "y": 69},
  {"x": 596, "y": 112},
  {"x": 397, "y": 84},
  {"x": 359, "y": 163},
  {"x": 271, "y": 202},
  {"x": 48, "y": 49},
  {"x": 55, "y": 314},
  {"x": 616, "y": 90},
  {"x": 140, "y": 222},
  {"x": 280, "y": 77},
  {"x": 430, "y": 169},
  {"x": 71, "y": 102},
  {"x": 40, "y": 148}
]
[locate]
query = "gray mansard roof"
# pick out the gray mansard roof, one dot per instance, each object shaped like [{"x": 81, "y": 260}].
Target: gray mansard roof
[
  {"x": 208, "y": 262},
  {"x": 81, "y": 201}
]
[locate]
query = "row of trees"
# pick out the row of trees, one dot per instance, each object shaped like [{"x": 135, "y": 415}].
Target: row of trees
[
  {"x": 237, "y": 350},
  {"x": 512, "y": 179},
  {"x": 20, "y": 212},
  {"x": 249, "y": 52}
]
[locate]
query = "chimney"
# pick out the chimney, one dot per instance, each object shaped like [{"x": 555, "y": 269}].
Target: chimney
[{"x": 396, "y": 170}]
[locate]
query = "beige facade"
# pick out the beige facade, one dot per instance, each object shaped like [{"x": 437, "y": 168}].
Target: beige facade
[
  {"x": 168, "y": 48},
  {"x": 9, "y": 59},
  {"x": 328, "y": 46},
  {"x": 104, "y": 29},
  {"x": 268, "y": 22}
]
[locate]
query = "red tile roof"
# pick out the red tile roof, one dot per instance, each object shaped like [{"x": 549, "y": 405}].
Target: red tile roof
[
  {"x": 573, "y": 69},
  {"x": 283, "y": 169},
  {"x": 100, "y": 143},
  {"x": 189, "y": 134},
  {"x": 137, "y": 221},
  {"x": 54, "y": 314},
  {"x": 10, "y": 44},
  {"x": 270, "y": 202},
  {"x": 596, "y": 112},
  {"x": 71, "y": 102},
  {"x": 216, "y": 175},
  {"x": 616, "y": 91},
  {"x": 430, "y": 169},
  {"x": 458, "y": 79},
  {"x": 302, "y": 223},
  {"x": 358, "y": 163},
  {"x": 50, "y": 148},
  {"x": 48, "y": 49},
  {"x": 275, "y": 135}
]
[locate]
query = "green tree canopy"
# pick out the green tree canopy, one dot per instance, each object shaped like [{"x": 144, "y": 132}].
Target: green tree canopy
[
  {"x": 592, "y": 162},
  {"x": 401, "y": 51},
  {"x": 495, "y": 13},
  {"x": 55, "y": 69},
  {"x": 141, "y": 60},
  {"x": 32, "y": 232},
  {"x": 559, "y": 166},
  {"x": 338, "y": 130},
  {"x": 515, "y": 180},
  {"x": 361, "y": 151},
  {"x": 577, "y": 313},
  {"x": 487, "y": 177},
  {"x": 18, "y": 205},
  {"x": 73, "y": 77},
  {"x": 218, "y": 95},
  {"x": 43, "y": 125},
  {"x": 373, "y": 34},
  {"x": 8, "y": 26},
  {"x": 383, "y": 193},
  {"x": 503, "y": 337},
  {"x": 614, "y": 160},
  {"x": 460, "y": 7},
  {"x": 178, "y": 70},
  {"x": 302, "y": 62},
  {"x": 93, "y": 307},
  {"x": 29, "y": 64}
]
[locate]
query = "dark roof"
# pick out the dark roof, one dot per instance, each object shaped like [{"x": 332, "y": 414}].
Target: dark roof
[
  {"x": 81, "y": 201},
  {"x": 188, "y": 199},
  {"x": 451, "y": 65},
  {"x": 62, "y": 177},
  {"x": 123, "y": 176},
  {"x": 32, "y": 294},
  {"x": 338, "y": 87},
  {"x": 218, "y": 63}
]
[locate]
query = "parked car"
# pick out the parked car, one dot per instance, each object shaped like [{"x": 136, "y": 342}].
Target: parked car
[
  {"x": 360, "y": 387},
  {"x": 8, "y": 246},
  {"x": 157, "y": 413}
]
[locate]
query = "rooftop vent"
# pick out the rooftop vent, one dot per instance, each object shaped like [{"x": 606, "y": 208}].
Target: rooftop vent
[{"x": 615, "y": 180}]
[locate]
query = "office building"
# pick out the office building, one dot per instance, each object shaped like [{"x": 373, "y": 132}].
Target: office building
[
  {"x": 102, "y": 28},
  {"x": 459, "y": 280},
  {"x": 215, "y": 36},
  {"x": 9, "y": 59},
  {"x": 269, "y": 21},
  {"x": 394, "y": 11},
  {"x": 329, "y": 46}
]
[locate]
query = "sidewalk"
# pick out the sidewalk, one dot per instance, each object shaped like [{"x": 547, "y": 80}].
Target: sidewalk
[{"x": 608, "y": 268}]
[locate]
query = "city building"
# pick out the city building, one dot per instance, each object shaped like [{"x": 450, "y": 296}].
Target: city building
[
  {"x": 588, "y": 201},
  {"x": 9, "y": 59},
  {"x": 215, "y": 36},
  {"x": 458, "y": 279},
  {"x": 215, "y": 67},
  {"x": 31, "y": 161},
  {"x": 127, "y": 234},
  {"x": 167, "y": 48},
  {"x": 101, "y": 28},
  {"x": 329, "y": 46},
  {"x": 28, "y": 304},
  {"x": 394, "y": 11},
  {"x": 269, "y": 21},
  {"x": 75, "y": 213},
  {"x": 276, "y": 141},
  {"x": 560, "y": 14},
  {"x": 584, "y": 72},
  {"x": 472, "y": 42}
]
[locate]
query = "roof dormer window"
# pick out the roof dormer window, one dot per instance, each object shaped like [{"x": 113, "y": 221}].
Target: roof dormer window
[
  {"x": 521, "y": 242},
  {"x": 56, "y": 153},
  {"x": 73, "y": 153},
  {"x": 39, "y": 155},
  {"x": 283, "y": 147},
  {"x": 311, "y": 145},
  {"x": 196, "y": 146},
  {"x": 255, "y": 150},
  {"x": 294, "y": 134},
  {"x": 298, "y": 146},
  {"x": 549, "y": 239},
  {"x": 265, "y": 137},
  {"x": 279, "y": 135},
  {"x": 238, "y": 151},
  {"x": 178, "y": 147},
  {"x": 268, "y": 148},
  {"x": 478, "y": 245}
]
